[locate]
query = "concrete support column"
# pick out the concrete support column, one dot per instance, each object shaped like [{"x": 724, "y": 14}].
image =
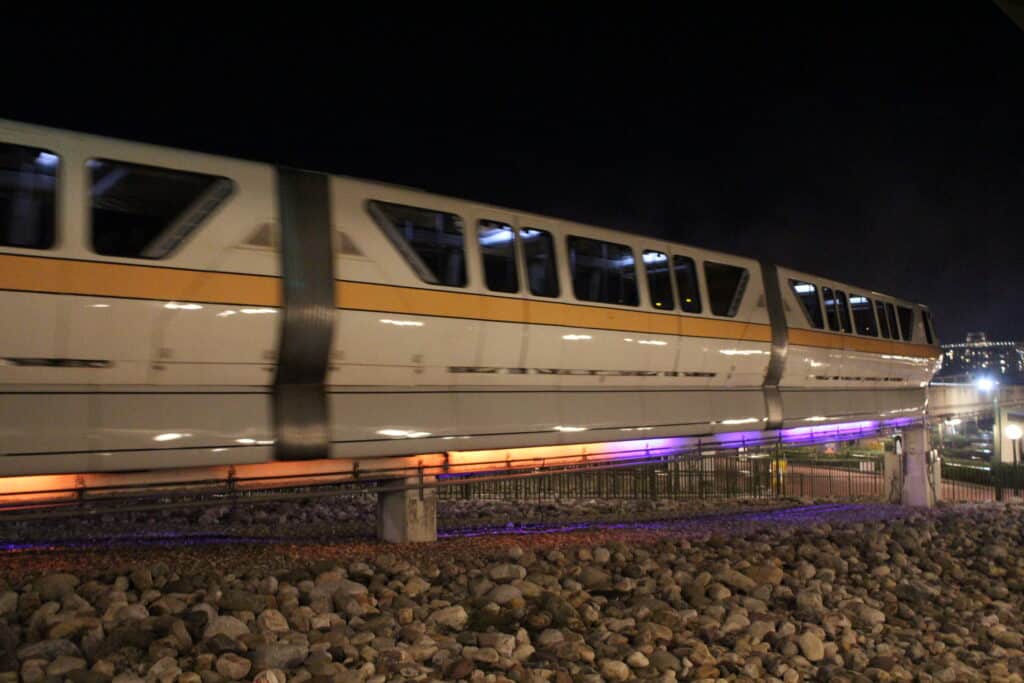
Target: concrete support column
[
  {"x": 408, "y": 516},
  {"x": 892, "y": 478},
  {"x": 922, "y": 481},
  {"x": 1003, "y": 447}
]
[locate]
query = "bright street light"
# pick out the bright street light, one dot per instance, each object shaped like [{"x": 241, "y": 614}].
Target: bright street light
[{"x": 985, "y": 384}]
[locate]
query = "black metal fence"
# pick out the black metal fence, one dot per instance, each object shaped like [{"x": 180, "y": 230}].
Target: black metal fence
[
  {"x": 963, "y": 482},
  {"x": 729, "y": 474}
]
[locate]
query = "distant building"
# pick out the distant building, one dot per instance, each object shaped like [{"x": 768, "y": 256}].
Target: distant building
[{"x": 978, "y": 357}]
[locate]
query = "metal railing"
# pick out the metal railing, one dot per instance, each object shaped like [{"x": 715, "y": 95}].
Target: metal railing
[{"x": 963, "y": 482}]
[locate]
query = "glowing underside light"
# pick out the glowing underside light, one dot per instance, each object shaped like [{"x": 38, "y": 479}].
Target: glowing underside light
[
  {"x": 170, "y": 436},
  {"x": 402, "y": 323},
  {"x": 806, "y": 433},
  {"x": 175, "y": 306},
  {"x": 576, "y": 337},
  {"x": 402, "y": 433},
  {"x": 561, "y": 428}
]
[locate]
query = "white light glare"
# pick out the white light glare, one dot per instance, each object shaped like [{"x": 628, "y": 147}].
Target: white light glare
[
  {"x": 401, "y": 323},
  {"x": 402, "y": 433},
  {"x": 47, "y": 159},
  {"x": 100, "y": 306},
  {"x": 804, "y": 289},
  {"x": 815, "y": 418},
  {"x": 985, "y": 384},
  {"x": 1014, "y": 432},
  {"x": 743, "y": 352},
  {"x": 226, "y": 314},
  {"x": 741, "y": 421},
  {"x": 175, "y": 306},
  {"x": 170, "y": 436},
  {"x": 258, "y": 311},
  {"x": 576, "y": 337},
  {"x": 560, "y": 428}
]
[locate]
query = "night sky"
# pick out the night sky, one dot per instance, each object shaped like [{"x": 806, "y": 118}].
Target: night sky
[{"x": 879, "y": 147}]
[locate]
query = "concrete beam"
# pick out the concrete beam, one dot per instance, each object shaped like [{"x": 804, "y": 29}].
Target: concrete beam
[{"x": 408, "y": 516}]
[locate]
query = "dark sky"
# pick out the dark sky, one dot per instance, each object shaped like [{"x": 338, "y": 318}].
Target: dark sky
[{"x": 876, "y": 146}]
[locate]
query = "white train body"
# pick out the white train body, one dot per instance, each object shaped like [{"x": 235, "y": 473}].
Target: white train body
[{"x": 169, "y": 357}]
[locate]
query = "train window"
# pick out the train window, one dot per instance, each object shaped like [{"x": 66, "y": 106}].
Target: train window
[
  {"x": 602, "y": 271},
  {"x": 687, "y": 283},
  {"x": 659, "y": 281},
  {"x": 863, "y": 315},
  {"x": 539, "y": 252},
  {"x": 431, "y": 241},
  {"x": 844, "y": 312},
  {"x": 906, "y": 322},
  {"x": 890, "y": 313},
  {"x": 929, "y": 332},
  {"x": 726, "y": 285},
  {"x": 28, "y": 185},
  {"x": 883, "y": 322},
  {"x": 808, "y": 296},
  {"x": 830, "y": 308},
  {"x": 145, "y": 211},
  {"x": 498, "y": 248}
]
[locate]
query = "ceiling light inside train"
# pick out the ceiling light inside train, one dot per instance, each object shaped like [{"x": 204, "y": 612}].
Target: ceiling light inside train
[
  {"x": 402, "y": 323},
  {"x": 175, "y": 306},
  {"x": 561, "y": 428},
  {"x": 654, "y": 257},
  {"x": 576, "y": 337},
  {"x": 48, "y": 160},
  {"x": 170, "y": 436},
  {"x": 803, "y": 289}
]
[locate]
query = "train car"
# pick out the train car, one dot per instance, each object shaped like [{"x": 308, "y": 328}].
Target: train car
[{"x": 168, "y": 309}]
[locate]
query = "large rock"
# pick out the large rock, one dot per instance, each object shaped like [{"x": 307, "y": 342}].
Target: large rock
[
  {"x": 454, "y": 617},
  {"x": 278, "y": 655},
  {"x": 233, "y": 667},
  {"x": 593, "y": 578},
  {"x": 48, "y": 649},
  {"x": 811, "y": 646},
  {"x": 506, "y": 573},
  {"x": 242, "y": 601},
  {"x": 229, "y": 626},
  {"x": 56, "y": 586}
]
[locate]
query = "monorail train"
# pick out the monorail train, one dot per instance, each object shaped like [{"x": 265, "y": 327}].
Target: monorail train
[{"x": 163, "y": 308}]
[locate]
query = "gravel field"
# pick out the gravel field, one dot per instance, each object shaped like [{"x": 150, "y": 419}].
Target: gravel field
[{"x": 836, "y": 592}]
